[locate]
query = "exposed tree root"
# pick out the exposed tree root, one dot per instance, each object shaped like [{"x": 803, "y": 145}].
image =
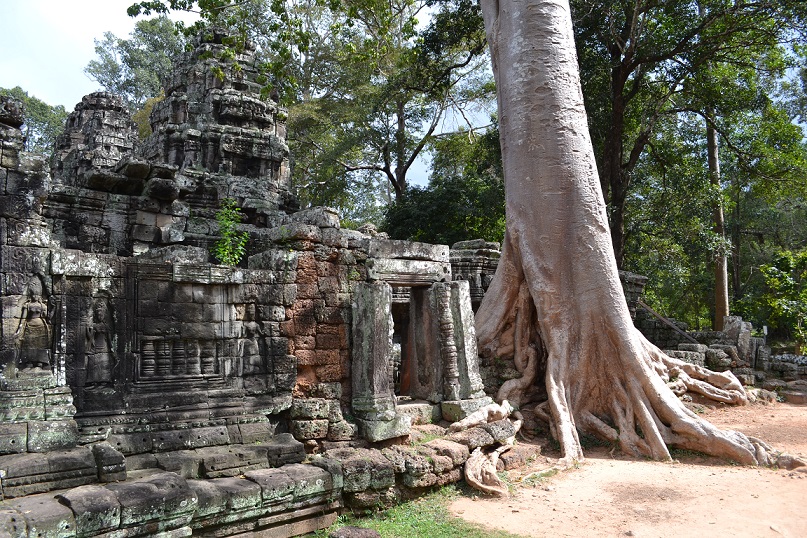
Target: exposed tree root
[
  {"x": 483, "y": 415},
  {"x": 480, "y": 473},
  {"x": 611, "y": 384},
  {"x": 480, "y": 468}
]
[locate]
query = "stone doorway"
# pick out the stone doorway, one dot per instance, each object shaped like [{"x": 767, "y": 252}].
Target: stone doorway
[{"x": 412, "y": 302}]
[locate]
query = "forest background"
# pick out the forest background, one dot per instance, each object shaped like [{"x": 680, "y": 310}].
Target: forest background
[{"x": 697, "y": 111}]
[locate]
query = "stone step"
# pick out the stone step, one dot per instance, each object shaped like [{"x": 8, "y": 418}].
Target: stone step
[
  {"x": 422, "y": 412},
  {"x": 291, "y": 500},
  {"x": 223, "y": 461}
]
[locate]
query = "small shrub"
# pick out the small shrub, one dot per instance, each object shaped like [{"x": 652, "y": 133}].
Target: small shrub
[{"x": 231, "y": 245}]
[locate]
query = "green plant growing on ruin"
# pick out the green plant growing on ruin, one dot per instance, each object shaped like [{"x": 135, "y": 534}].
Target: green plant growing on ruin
[{"x": 231, "y": 245}]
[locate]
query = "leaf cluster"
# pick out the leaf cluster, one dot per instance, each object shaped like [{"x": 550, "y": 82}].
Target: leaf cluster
[
  {"x": 230, "y": 248},
  {"x": 786, "y": 294}
]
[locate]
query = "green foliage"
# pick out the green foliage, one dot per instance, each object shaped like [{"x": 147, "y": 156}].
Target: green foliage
[
  {"x": 43, "y": 123},
  {"x": 786, "y": 294},
  {"x": 643, "y": 61},
  {"x": 231, "y": 245},
  {"x": 427, "y": 517},
  {"x": 136, "y": 68},
  {"x": 142, "y": 116},
  {"x": 465, "y": 199}
]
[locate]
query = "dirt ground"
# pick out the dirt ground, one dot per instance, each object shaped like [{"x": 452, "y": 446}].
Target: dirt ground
[{"x": 695, "y": 496}]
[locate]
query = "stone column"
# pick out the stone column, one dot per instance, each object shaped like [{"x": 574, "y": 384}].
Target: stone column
[
  {"x": 465, "y": 337},
  {"x": 441, "y": 301},
  {"x": 373, "y": 396},
  {"x": 471, "y": 394}
]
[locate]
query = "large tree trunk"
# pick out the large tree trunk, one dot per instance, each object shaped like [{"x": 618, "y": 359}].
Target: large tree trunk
[
  {"x": 556, "y": 304},
  {"x": 721, "y": 270}
]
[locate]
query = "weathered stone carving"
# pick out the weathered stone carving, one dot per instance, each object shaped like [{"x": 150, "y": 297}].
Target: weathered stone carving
[
  {"x": 99, "y": 354},
  {"x": 250, "y": 343},
  {"x": 34, "y": 332}
]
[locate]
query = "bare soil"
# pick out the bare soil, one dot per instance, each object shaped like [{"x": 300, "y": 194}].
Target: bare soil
[{"x": 698, "y": 496}]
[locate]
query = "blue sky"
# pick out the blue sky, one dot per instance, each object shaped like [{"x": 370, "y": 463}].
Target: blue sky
[{"x": 45, "y": 44}]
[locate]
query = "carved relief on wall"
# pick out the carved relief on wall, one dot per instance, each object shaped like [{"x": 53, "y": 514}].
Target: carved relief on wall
[
  {"x": 171, "y": 358},
  {"x": 34, "y": 332},
  {"x": 249, "y": 344},
  {"x": 99, "y": 349}
]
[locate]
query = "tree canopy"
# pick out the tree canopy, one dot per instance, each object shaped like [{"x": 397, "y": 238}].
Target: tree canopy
[
  {"x": 136, "y": 68},
  {"x": 464, "y": 198},
  {"x": 642, "y": 61},
  {"x": 43, "y": 122}
]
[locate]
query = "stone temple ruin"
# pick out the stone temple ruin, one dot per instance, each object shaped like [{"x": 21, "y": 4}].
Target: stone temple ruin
[{"x": 146, "y": 390}]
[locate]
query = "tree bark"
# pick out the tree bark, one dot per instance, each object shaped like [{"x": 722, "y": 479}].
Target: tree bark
[
  {"x": 556, "y": 304},
  {"x": 720, "y": 259}
]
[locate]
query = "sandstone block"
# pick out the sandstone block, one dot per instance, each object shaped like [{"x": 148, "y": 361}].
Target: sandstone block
[
  {"x": 372, "y": 499},
  {"x": 310, "y": 480},
  {"x": 52, "y": 435},
  {"x": 330, "y": 391},
  {"x": 310, "y": 429},
  {"x": 410, "y": 250},
  {"x": 45, "y": 516},
  {"x": 365, "y": 469},
  {"x": 256, "y": 432},
  {"x": 420, "y": 412},
  {"x": 283, "y": 449},
  {"x": 500, "y": 430},
  {"x": 276, "y": 486},
  {"x": 458, "y": 453},
  {"x": 381, "y": 430},
  {"x": 341, "y": 431},
  {"x": 334, "y": 468},
  {"x": 794, "y": 396},
  {"x": 310, "y": 408},
  {"x": 456, "y": 410},
  {"x": 472, "y": 438},
  {"x": 420, "y": 481},
  {"x": 110, "y": 462},
  {"x": 95, "y": 509},
  {"x": 241, "y": 494},
  {"x": 13, "y": 438},
  {"x": 321, "y": 217}
]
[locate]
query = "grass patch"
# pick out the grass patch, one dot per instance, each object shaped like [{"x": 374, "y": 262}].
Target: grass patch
[
  {"x": 424, "y": 438},
  {"x": 539, "y": 477},
  {"x": 427, "y": 517}
]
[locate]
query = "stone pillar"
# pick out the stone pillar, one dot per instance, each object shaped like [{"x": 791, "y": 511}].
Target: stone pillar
[
  {"x": 373, "y": 396},
  {"x": 441, "y": 302},
  {"x": 465, "y": 337}
]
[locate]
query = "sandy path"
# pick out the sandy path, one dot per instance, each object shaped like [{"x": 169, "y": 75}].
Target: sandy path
[{"x": 699, "y": 497}]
